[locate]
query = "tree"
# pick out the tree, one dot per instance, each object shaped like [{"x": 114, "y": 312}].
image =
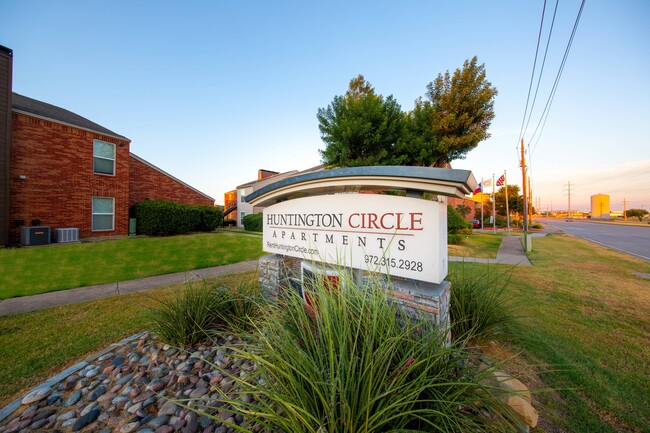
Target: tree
[
  {"x": 463, "y": 210},
  {"x": 452, "y": 120},
  {"x": 515, "y": 201},
  {"x": 360, "y": 127},
  {"x": 639, "y": 213}
]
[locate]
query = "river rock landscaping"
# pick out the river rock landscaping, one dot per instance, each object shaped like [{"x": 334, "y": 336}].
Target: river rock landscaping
[{"x": 133, "y": 387}]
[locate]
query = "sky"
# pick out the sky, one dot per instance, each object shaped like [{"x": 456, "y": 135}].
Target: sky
[{"x": 213, "y": 91}]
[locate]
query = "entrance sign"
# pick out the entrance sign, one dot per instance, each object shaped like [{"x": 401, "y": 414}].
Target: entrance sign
[{"x": 400, "y": 236}]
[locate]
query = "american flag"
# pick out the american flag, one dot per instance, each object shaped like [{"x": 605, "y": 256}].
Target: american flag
[{"x": 501, "y": 180}]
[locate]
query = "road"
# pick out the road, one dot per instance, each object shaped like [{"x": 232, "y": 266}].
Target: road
[{"x": 633, "y": 240}]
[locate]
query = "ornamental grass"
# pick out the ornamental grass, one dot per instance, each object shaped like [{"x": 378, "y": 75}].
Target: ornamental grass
[
  {"x": 200, "y": 310},
  {"x": 348, "y": 363},
  {"x": 480, "y": 307}
]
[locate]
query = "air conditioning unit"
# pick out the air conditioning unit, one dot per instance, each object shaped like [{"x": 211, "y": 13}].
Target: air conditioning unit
[
  {"x": 35, "y": 235},
  {"x": 66, "y": 235}
]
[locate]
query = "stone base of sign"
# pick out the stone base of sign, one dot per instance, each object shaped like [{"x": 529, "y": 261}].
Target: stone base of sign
[
  {"x": 424, "y": 301},
  {"x": 275, "y": 272},
  {"x": 415, "y": 299}
]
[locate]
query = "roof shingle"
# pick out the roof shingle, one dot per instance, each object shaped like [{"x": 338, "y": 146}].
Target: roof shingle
[{"x": 57, "y": 114}]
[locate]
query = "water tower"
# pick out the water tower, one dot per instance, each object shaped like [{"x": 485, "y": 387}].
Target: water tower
[{"x": 600, "y": 206}]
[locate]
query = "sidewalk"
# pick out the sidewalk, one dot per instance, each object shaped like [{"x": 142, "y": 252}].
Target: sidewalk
[
  {"x": 511, "y": 252},
  {"x": 25, "y": 304}
]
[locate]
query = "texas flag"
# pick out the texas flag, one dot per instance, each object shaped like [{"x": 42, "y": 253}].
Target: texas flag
[
  {"x": 501, "y": 180},
  {"x": 479, "y": 189}
]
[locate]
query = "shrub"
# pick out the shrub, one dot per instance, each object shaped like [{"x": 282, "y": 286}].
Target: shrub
[
  {"x": 229, "y": 223},
  {"x": 479, "y": 307},
  {"x": 454, "y": 239},
  {"x": 253, "y": 222},
  {"x": 351, "y": 364},
  {"x": 455, "y": 222},
  {"x": 160, "y": 217},
  {"x": 211, "y": 218},
  {"x": 501, "y": 222}
]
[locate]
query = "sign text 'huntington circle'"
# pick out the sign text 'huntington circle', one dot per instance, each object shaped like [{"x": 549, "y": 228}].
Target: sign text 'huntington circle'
[{"x": 399, "y": 236}]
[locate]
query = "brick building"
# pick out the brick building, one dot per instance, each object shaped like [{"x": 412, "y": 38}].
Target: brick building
[
  {"x": 64, "y": 171},
  {"x": 235, "y": 205},
  {"x": 148, "y": 182}
]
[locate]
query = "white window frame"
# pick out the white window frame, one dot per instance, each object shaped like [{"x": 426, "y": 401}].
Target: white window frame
[
  {"x": 92, "y": 223},
  {"x": 242, "y": 214},
  {"x": 104, "y": 158}
]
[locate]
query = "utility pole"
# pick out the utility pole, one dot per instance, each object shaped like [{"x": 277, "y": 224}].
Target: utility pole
[
  {"x": 568, "y": 187},
  {"x": 625, "y": 209},
  {"x": 505, "y": 184},
  {"x": 524, "y": 188},
  {"x": 530, "y": 202},
  {"x": 527, "y": 238}
]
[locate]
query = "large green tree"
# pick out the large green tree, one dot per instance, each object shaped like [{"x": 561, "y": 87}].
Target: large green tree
[
  {"x": 361, "y": 127},
  {"x": 515, "y": 201},
  {"x": 452, "y": 119}
]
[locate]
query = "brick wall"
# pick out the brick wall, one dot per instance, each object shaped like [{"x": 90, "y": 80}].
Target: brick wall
[
  {"x": 148, "y": 182},
  {"x": 474, "y": 207},
  {"x": 57, "y": 161}
]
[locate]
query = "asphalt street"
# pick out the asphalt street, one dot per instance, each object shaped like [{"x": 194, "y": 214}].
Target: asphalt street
[{"x": 633, "y": 240}]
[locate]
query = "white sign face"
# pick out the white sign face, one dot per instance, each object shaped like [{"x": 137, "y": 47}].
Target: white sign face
[{"x": 400, "y": 236}]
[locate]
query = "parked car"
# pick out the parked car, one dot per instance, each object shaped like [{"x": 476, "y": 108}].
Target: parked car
[{"x": 475, "y": 224}]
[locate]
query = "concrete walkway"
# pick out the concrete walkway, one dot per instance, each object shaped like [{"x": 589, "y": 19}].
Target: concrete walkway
[
  {"x": 25, "y": 304},
  {"x": 511, "y": 252}
]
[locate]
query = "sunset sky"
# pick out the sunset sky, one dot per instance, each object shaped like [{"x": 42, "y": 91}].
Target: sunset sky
[{"x": 212, "y": 91}]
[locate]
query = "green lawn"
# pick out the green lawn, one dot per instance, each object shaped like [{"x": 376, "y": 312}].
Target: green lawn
[
  {"x": 29, "y": 271},
  {"x": 477, "y": 245},
  {"x": 587, "y": 329}
]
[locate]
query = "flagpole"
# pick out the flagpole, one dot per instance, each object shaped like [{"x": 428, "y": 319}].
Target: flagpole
[
  {"x": 482, "y": 204},
  {"x": 505, "y": 183},
  {"x": 494, "y": 209}
]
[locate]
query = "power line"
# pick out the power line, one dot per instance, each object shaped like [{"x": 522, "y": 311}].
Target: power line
[
  {"x": 532, "y": 74},
  {"x": 558, "y": 76},
  {"x": 541, "y": 72}
]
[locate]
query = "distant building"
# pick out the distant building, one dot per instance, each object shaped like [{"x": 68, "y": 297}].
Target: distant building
[
  {"x": 235, "y": 205},
  {"x": 600, "y": 206}
]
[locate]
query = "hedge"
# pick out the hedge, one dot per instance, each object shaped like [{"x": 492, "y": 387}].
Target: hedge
[
  {"x": 253, "y": 222},
  {"x": 160, "y": 217},
  {"x": 211, "y": 218}
]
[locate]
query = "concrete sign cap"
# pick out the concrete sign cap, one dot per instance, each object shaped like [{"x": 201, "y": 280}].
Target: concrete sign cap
[{"x": 414, "y": 180}]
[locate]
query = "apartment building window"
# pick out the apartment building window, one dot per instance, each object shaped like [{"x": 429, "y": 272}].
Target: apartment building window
[
  {"x": 103, "y": 213},
  {"x": 103, "y": 157}
]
